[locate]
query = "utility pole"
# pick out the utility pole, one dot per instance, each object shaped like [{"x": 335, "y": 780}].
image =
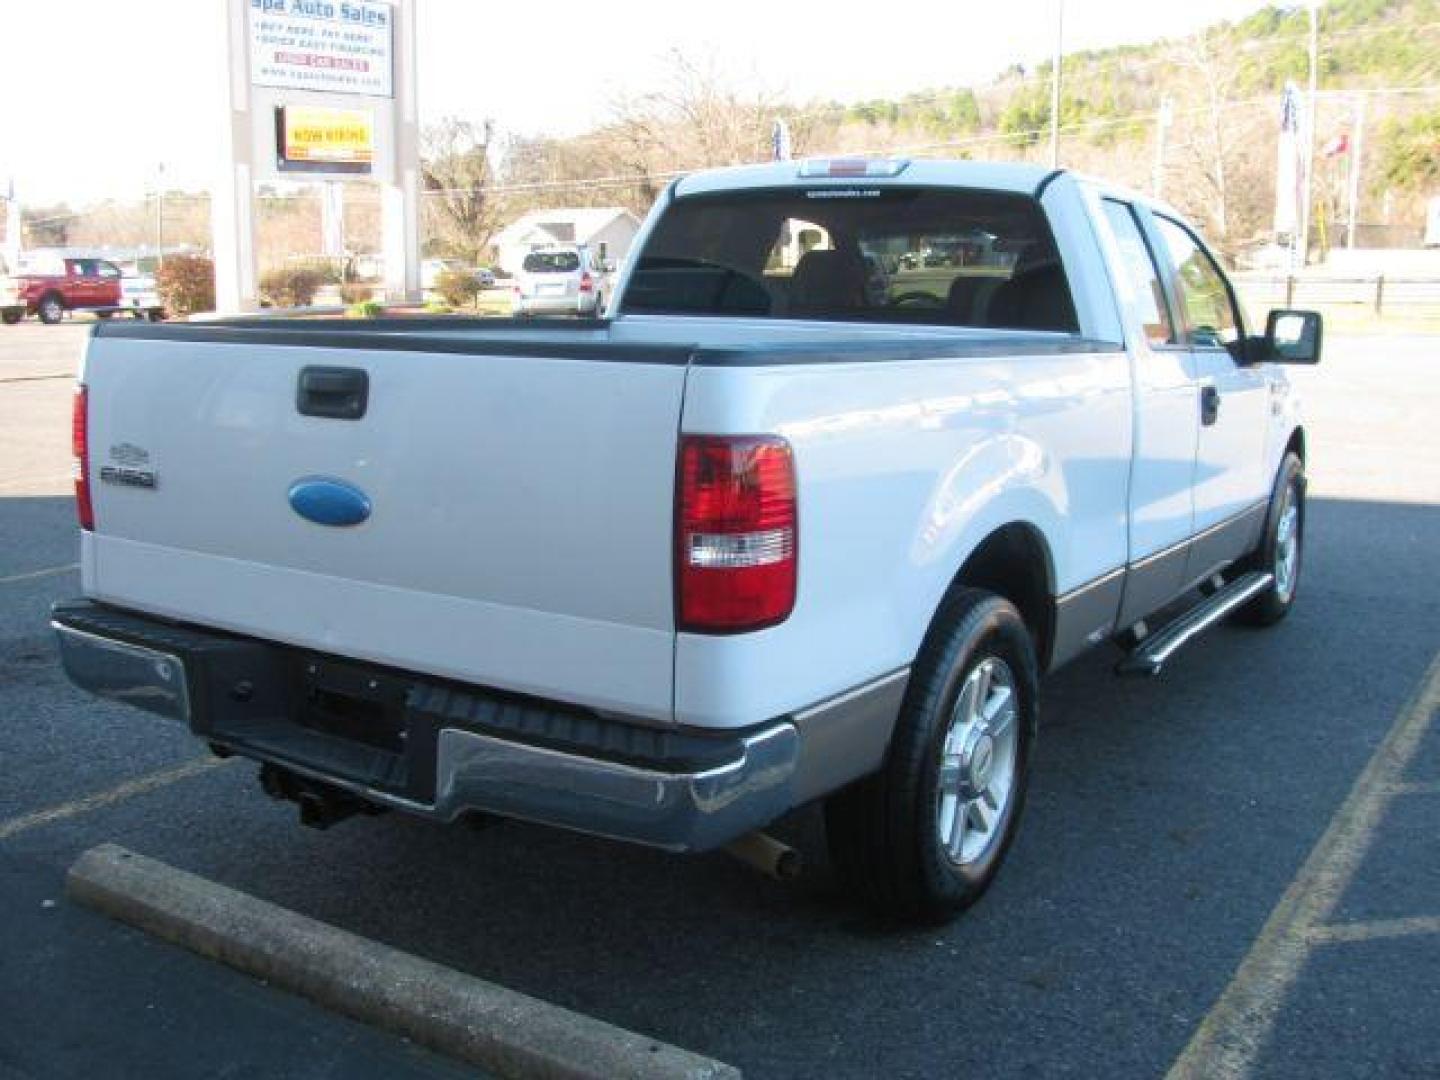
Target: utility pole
[
  {"x": 1163, "y": 116},
  {"x": 1055, "y": 84},
  {"x": 160, "y": 215},
  {"x": 1357, "y": 162},
  {"x": 1312, "y": 110}
]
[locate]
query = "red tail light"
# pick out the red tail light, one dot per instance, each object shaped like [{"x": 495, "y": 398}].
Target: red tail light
[
  {"x": 737, "y": 538},
  {"x": 587, "y": 283},
  {"x": 80, "y": 447}
]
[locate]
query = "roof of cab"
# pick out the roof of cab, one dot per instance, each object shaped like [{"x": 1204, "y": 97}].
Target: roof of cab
[{"x": 988, "y": 175}]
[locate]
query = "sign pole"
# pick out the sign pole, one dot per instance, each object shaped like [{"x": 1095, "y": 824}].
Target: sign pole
[
  {"x": 232, "y": 203},
  {"x": 400, "y": 200},
  {"x": 1357, "y": 162},
  {"x": 13, "y": 224}
]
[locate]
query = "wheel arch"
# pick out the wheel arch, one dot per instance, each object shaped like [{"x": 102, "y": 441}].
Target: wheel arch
[
  {"x": 1014, "y": 560},
  {"x": 1296, "y": 444}
]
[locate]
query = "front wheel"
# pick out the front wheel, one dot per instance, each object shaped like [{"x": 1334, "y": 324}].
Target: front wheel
[
  {"x": 51, "y": 309},
  {"x": 922, "y": 839},
  {"x": 1281, "y": 550},
  {"x": 12, "y": 317}
]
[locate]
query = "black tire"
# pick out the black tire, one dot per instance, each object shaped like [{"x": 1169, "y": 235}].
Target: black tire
[
  {"x": 884, "y": 832},
  {"x": 1275, "y": 603},
  {"x": 12, "y": 317},
  {"x": 103, "y": 314},
  {"x": 155, "y": 315},
  {"x": 51, "y": 309}
]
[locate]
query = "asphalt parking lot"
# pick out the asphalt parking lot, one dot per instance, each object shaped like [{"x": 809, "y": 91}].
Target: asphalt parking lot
[{"x": 1232, "y": 870}]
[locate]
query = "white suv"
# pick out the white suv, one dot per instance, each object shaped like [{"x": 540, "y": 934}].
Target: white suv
[{"x": 560, "y": 280}]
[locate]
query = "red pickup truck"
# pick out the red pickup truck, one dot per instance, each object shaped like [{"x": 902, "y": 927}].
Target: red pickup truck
[{"x": 49, "y": 291}]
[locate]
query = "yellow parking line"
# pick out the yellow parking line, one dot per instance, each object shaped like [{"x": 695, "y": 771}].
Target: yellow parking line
[
  {"x": 1234, "y": 1031},
  {"x": 1380, "y": 928},
  {"x": 36, "y": 479},
  {"x": 35, "y": 575},
  {"x": 139, "y": 786},
  {"x": 36, "y": 378},
  {"x": 1416, "y": 787}
]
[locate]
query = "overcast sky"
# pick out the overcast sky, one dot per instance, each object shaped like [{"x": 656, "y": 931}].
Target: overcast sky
[{"x": 92, "y": 106}]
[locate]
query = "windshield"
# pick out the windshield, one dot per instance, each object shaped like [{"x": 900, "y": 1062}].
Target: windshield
[
  {"x": 945, "y": 257},
  {"x": 552, "y": 262}
]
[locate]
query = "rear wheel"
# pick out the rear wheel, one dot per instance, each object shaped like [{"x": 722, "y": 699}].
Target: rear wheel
[
  {"x": 922, "y": 839},
  {"x": 51, "y": 309},
  {"x": 1282, "y": 549},
  {"x": 12, "y": 317}
]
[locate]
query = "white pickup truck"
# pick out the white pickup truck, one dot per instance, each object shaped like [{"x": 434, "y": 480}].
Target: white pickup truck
[{"x": 806, "y": 519}]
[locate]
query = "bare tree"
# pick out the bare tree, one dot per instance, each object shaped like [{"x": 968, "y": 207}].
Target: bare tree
[
  {"x": 700, "y": 119},
  {"x": 462, "y": 211},
  {"x": 1220, "y": 174}
]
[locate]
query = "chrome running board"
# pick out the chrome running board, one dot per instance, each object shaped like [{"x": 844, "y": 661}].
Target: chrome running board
[{"x": 1149, "y": 656}]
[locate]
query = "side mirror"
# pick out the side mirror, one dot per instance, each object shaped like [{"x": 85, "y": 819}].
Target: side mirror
[{"x": 1293, "y": 337}]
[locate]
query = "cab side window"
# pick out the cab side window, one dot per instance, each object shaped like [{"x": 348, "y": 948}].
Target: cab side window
[
  {"x": 1210, "y": 316},
  {"x": 1144, "y": 278}
]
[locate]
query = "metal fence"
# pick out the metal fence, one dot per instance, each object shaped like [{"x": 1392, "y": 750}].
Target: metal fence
[{"x": 1379, "y": 296}]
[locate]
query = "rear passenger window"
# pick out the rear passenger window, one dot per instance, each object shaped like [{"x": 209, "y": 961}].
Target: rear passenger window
[{"x": 1139, "y": 266}]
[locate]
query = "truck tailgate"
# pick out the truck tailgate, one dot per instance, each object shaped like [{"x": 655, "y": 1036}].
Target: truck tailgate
[{"x": 520, "y": 493}]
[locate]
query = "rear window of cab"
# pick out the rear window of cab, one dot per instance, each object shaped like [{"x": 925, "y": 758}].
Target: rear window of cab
[
  {"x": 551, "y": 262},
  {"x": 950, "y": 257}
]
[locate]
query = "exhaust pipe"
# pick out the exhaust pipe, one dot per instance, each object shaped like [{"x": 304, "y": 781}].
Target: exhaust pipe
[{"x": 764, "y": 853}]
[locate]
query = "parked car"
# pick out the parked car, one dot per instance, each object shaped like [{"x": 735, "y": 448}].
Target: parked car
[
  {"x": 560, "y": 280},
  {"x": 53, "y": 287},
  {"x": 139, "y": 296},
  {"x": 761, "y": 540},
  {"x": 431, "y": 269}
]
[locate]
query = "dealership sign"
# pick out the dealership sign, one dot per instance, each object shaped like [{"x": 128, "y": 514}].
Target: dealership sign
[
  {"x": 324, "y": 140},
  {"x": 329, "y": 46}
]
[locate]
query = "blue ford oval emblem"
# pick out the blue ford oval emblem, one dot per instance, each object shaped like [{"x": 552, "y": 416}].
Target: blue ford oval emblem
[{"x": 329, "y": 502}]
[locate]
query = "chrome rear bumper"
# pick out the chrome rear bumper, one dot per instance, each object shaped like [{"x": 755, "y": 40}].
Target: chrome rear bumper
[
  {"x": 747, "y": 781},
  {"x": 147, "y": 678}
]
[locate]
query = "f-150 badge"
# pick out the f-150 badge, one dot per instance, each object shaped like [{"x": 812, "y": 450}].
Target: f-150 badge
[{"x": 129, "y": 469}]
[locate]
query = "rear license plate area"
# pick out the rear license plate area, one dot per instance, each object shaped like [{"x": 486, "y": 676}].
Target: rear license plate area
[
  {"x": 335, "y": 718},
  {"x": 350, "y": 702}
]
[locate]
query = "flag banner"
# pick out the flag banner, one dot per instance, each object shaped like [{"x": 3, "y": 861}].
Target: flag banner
[
  {"x": 780, "y": 140},
  {"x": 1289, "y": 164}
]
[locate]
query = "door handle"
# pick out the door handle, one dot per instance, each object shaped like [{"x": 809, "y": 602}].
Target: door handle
[
  {"x": 333, "y": 393},
  {"x": 1209, "y": 405}
]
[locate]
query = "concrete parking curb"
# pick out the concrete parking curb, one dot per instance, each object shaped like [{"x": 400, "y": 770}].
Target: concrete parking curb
[{"x": 446, "y": 1010}]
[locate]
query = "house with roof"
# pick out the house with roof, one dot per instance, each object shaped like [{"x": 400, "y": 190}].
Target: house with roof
[{"x": 608, "y": 231}]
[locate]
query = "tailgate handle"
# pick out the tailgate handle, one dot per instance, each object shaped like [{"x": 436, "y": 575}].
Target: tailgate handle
[{"x": 335, "y": 393}]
